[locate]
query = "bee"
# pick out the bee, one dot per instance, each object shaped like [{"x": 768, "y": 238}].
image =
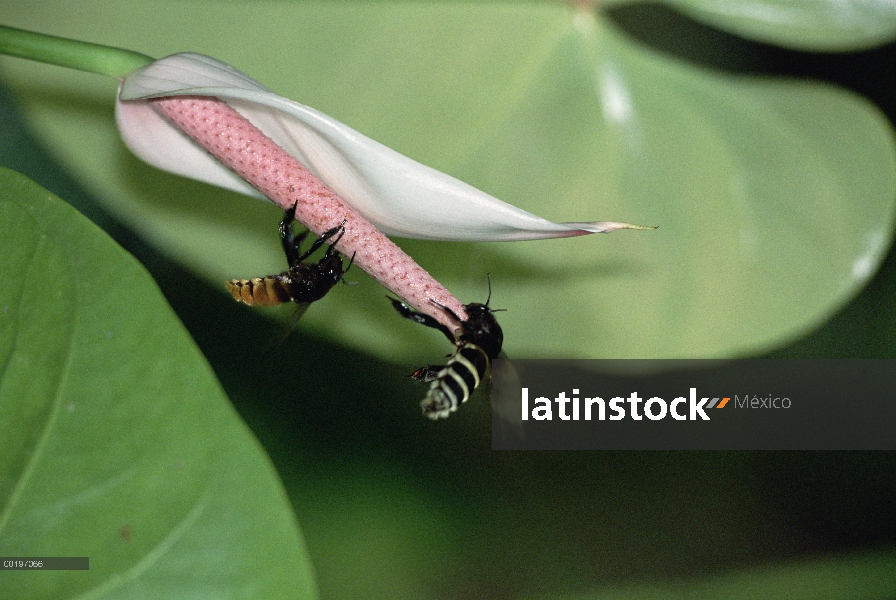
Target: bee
[
  {"x": 479, "y": 342},
  {"x": 304, "y": 282}
]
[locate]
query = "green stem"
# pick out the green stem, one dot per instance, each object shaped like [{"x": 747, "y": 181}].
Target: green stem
[{"x": 94, "y": 58}]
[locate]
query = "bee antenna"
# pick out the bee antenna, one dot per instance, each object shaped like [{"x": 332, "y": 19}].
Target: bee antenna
[
  {"x": 489, "y": 277},
  {"x": 487, "y": 300}
]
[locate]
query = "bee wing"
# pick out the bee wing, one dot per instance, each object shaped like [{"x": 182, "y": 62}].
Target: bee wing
[
  {"x": 486, "y": 384},
  {"x": 504, "y": 409},
  {"x": 297, "y": 315},
  {"x": 294, "y": 319}
]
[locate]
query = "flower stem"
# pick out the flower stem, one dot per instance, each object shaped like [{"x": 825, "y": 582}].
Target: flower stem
[{"x": 94, "y": 58}]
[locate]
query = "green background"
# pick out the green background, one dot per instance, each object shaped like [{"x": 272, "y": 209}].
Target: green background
[{"x": 774, "y": 201}]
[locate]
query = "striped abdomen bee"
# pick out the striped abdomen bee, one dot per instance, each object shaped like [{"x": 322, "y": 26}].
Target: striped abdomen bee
[
  {"x": 479, "y": 342},
  {"x": 304, "y": 282}
]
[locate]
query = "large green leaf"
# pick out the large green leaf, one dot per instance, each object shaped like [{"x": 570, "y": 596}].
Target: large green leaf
[
  {"x": 774, "y": 199},
  {"x": 116, "y": 441},
  {"x": 830, "y": 25}
]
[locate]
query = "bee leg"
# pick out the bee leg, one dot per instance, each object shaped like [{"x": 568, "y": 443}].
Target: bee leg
[
  {"x": 405, "y": 311},
  {"x": 447, "y": 311},
  {"x": 338, "y": 231},
  {"x": 427, "y": 374},
  {"x": 291, "y": 242},
  {"x": 351, "y": 261}
]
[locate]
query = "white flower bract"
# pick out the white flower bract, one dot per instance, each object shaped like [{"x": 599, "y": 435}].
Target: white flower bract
[{"x": 400, "y": 196}]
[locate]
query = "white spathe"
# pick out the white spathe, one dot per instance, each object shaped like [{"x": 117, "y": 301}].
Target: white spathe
[{"x": 398, "y": 195}]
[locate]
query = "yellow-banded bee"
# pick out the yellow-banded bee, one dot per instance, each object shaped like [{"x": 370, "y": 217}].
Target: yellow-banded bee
[
  {"x": 304, "y": 282},
  {"x": 480, "y": 341}
]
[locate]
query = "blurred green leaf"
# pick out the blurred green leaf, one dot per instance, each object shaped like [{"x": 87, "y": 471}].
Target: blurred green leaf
[
  {"x": 774, "y": 199},
  {"x": 116, "y": 440},
  {"x": 861, "y": 577},
  {"x": 821, "y": 25}
]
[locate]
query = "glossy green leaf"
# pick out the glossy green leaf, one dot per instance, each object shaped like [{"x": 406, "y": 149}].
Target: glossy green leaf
[
  {"x": 116, "y": 440},
  {"x": 774, "y": 199},
  {"x": 822, "y": 25}
]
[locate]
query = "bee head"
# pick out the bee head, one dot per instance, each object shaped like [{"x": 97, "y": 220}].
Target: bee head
[{"x": 481, "y": 328}]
